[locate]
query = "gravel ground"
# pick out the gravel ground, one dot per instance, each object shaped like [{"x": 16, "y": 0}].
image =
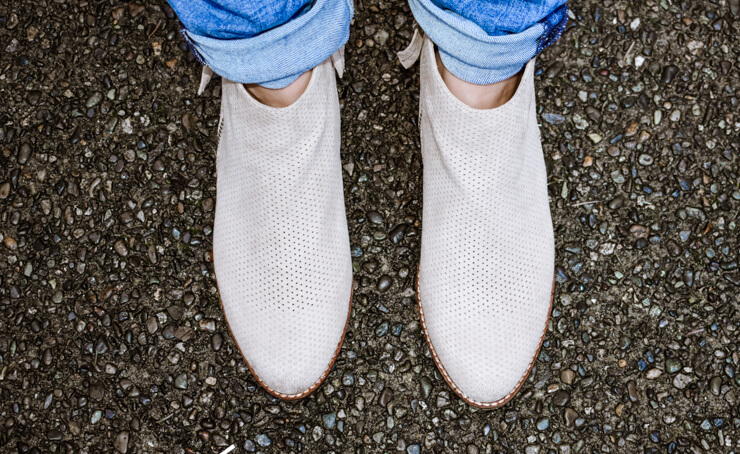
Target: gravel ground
[{"x": 111, "y": 334}]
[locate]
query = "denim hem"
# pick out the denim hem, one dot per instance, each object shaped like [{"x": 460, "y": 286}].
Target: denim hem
[
  {"x": 278, "y": 56},
  {"x": 191, "y": 45},
  {"x": 473, "y": 55},
  {"x": 554, "y": 26}
]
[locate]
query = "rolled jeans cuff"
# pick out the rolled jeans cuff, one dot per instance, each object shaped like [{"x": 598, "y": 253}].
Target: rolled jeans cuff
[
  {"x": 473, "y": 55},
  {"x": 277, "y": 57}
]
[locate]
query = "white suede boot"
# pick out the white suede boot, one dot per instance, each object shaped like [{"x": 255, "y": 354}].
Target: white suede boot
[
  {"x": 280, "y": 242},
  {"x": 485, "y": 278}
]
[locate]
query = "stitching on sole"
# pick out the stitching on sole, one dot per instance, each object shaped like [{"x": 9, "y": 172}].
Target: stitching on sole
[{"x": 484, "y": 405}]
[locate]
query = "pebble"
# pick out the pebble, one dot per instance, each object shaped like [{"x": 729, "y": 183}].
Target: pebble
[
  {"x": 554, "y": 118},
  {"x": 330, "y": 420},
  {"x": 396, "y": 235},
  {"x": 672, "y": 366},
  {"x": 681, "y": 381},
  {"x": 121, "y": 442},
  {"x": 652, "y": 374},
  {"x": 543, "y": 424},
  {"x": 443, "y": 399},
  {"x": 385, "y": 397},
  {"x": 381, "y": 37},
  {"x": 375, "y": 217},
  {"x": 426, "y": 387},
  {"x": 181, "y": 381},
  {"x": 24, "y": 153},
  {"x": 715, "y": 385},
  {"x": 120, "y": 248},
  {"x": 94, "y": 99},
  {"x": 632, "y": 391},
  {"x": 669, "y": 73},
  {"x": 4, "y": 190},
  {"x": 567, "y": 376},
  {"x": 561, "y": 398},
  {"x": 384, "y": 283},
  {"x": 263, "y": 440},
  {"x": 569, "y": 415}
]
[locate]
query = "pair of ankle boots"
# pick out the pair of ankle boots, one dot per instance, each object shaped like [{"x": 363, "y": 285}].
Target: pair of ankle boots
[{"x": 281, "y": 245}]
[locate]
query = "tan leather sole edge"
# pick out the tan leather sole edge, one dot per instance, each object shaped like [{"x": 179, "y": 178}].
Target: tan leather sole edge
[
  {"x": 317, "y": 383},
  {"x": 484, "y": 405}
]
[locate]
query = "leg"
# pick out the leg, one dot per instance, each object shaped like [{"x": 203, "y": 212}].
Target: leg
[
  {"x": 268, "y": 45},
  {"x": 483, "y": 45},
  {"x": 485, "y": 279},
  {"x": 281, "y": 248}
]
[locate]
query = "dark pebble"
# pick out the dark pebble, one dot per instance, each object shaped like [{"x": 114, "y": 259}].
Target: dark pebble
[
  {"x": 385, "y": 397},
  {"x": 375, "y": 217},
  {"x": 384, "y": 283},
  {"x": 561, "y": 398}
]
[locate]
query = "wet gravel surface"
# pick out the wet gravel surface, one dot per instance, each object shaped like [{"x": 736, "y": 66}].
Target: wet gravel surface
[{"x": 111, "y": 335}]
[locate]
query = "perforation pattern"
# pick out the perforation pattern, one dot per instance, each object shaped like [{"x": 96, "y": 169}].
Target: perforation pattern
[
  {"x": 281, "y": 244},
  {"x": 487, "y": 254}
]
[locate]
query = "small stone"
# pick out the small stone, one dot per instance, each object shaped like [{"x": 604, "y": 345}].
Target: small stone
[
  {"x": 207, "y": 324},
  {"x": 595, "y": 138},
  {"x": 216, "y": 342},
  {"x": 375, "y": 217},
  {"x": 645, "y": 159},
  {"x": 554, "y": 118},
  {"x": 188, "y": 120},
  {"x": 561, "y": 398},
  {"x": 348, "y": 379},
  {"x": 668, "y": 74},
  {"x": 672, "y": 366},
  {"x": 543, "y": 424},
  {"x": 681, "y": 381},
  {"x": 4, "y": 190},
  {"x": 94, "y": 99},
  {"x": 329, "y": 420},
  {"x": 381, "y": 37},
  {"x": 632, "y": 390},
  {"x": 263, "y": 440},
  {"x": 715, "y": 385},
  {"x": 570, "y": 416},
  {"x": 567, "y": 376},
  {"x": 24, "y": 153},
  {"x": 396, "y": 235},
  {"x": 384, "y": 283},
  {"x": 10, "y": 243},
  {"x": 121, "y": 442},
  {"x": 426, "y": 386},
  {"x": 652, "y": 374},
  {"x": 385, "y": 397},
  {"x": 181, "y": 381},
  {"x": 619, "y": 409},
  {"x": 382, "y": 329},
  {"x": 120, "y": 248},
  {"x": 443, "y": 399}
]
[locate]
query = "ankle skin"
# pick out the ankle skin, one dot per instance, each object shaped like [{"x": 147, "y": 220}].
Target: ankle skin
[
  {"x": 479, "y": 96},
  {"x": 282, "y": 97}
]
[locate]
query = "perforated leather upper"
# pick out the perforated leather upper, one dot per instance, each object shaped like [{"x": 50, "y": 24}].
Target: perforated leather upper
[
  {"x": 487, "y": 251},
  {"x": 281, "y": 243}
]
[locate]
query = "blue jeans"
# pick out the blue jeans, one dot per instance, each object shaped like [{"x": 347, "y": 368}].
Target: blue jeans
[{"x": 272, "y": 42}]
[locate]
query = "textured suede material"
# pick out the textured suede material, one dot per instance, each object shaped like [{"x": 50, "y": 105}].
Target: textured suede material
[
  {"x": 280, "y": 242},
  {"x": 487, "y": 250}
]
